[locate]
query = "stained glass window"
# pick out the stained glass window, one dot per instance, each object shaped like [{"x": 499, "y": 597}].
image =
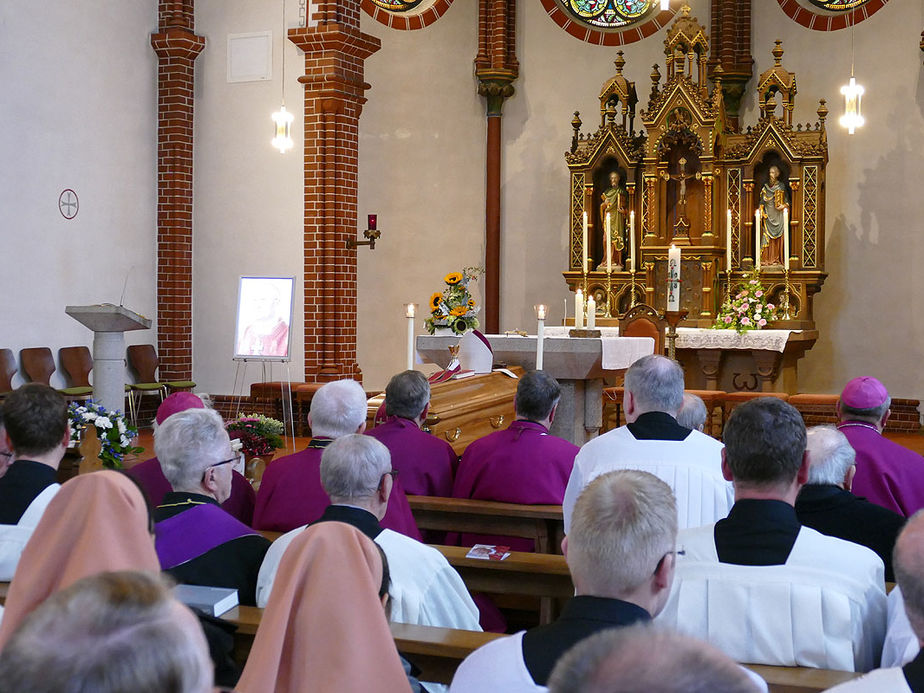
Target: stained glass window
[
  {"x": 397, "y": 5},
  {"x": 610, "y": 14},
  {"x": 838, "y": 5}
]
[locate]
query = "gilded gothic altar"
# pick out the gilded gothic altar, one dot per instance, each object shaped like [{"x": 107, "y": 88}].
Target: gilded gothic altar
[{"x": 687, "y": 179}]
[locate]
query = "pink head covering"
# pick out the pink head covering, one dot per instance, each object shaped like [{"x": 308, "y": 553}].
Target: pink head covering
[
  {"x": 864, "y": 392},
  {"x": 324, "y": 628},
  {"x": 177, "y": 402},
  {"x": 96, "y": 523}
]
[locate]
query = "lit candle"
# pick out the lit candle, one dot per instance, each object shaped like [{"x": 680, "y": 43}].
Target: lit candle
[
  {"x": 673, "y": 275},
  {"x": 409, "y": 314},
  {"x": 584, "y": 246},
  {"x": 728, "y": 241},
  {"x": 786, "y": 237},
  {"x": 579, "y": 309},
  {"x": 540, "y": 335},
  {"x": 609, "y": 246},
  {"x": 591, "y": 313},
  {"x": 632, "y": 238},
  {"x": 757, "y": 239}
]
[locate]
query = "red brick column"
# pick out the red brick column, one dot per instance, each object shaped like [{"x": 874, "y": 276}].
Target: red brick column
[
  {"x": 730, "y": 47},
  {"x": 335, "y": 52},
  {"x": 176, "y": 46}
]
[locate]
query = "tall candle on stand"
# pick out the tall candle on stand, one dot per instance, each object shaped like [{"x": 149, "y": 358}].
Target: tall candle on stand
[
  {"x": 757, "y": 239},
  {"x": 579, "y": 309},
  {"x": 609, "y": 246},
  {"x": 786, "y": 237},
  {"x": 540, "y": 335},
  {"x": 673, "y": 275},
  {"x": 584, "y": 246},
  {"x": 632, "y": 238},
  {"x": 728, "y": 241},
  {"x": 591, "y": 313},
  {"x": 409, "y": 314}
]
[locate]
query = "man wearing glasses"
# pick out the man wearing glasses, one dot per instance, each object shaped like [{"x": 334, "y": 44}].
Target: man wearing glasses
[{"x": 197, "y": 542}]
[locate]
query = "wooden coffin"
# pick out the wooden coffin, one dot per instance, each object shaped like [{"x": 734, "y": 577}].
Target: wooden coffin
[{"x": 464, "y": 410}]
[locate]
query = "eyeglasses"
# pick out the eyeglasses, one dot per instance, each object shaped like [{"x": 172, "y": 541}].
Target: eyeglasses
[
  {"x": 393, "y": 474},
  {"x": 6, "y": 454},
  {"x": 218, "y": 464}
]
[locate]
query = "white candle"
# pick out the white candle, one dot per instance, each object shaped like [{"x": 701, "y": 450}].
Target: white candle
[
  {"x": 579, "y": 309},
  {"x": 786, "y": 237},
  {"x": 673, "y": 275},
  {"x": 409, "y": 314},
  {"x": 584, "y": 246},
  {"x": 609, "y": 246},
  {"x": 632, "y": 238},
  {"x": 540, "y": 335},
  {"x": 728, "y": 241},
  {"x": 757, "y": 239},
  {"x": 591, "y": 313}
]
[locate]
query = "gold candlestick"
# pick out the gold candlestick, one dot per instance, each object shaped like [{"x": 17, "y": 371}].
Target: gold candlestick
[
  {"x": 673, "y": 318},
  {"x": 632, "y": 289},
  {"x": 728, "y": 285},
  {"x": 609, "y": 290},
  {"x": 786, "y": 315}
]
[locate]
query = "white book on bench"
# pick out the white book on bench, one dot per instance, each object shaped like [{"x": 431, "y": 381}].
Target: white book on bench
[{"x": 212, "y": 600}]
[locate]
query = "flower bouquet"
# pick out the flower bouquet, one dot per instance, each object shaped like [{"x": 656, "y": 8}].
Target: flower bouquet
[
  {"x": 114, "y": 433},
  {"x": 454, "y": 307},
  {"x": 259, "y": 435},
  {"x": 749, "y": 309}
]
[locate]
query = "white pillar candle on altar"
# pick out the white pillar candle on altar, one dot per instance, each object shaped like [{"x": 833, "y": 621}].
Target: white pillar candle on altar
[
  {"x": 540, "y": 335},
  {"x": 584, "y": 246},
  {"x": 728, "y": 241},
  {"x": 757, "y": 239},
  {"x": 579, "y": 309},
  {"x": 591, "y": 313},
  {"x": 632, "y": 238},
  {"x": 609, "y": 246},
  {"x": 786, "y": 237},
  {"x": 409, "y": 310},
  {"x": 673, "y": 277}
]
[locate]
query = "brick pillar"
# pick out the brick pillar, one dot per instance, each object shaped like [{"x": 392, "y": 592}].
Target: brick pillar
[
  {"x": 335, "y": 51},
  {"x": 730, "y": 47},
  {"x": 177, "y": 46},
  {"x": 496, "y": 68}
]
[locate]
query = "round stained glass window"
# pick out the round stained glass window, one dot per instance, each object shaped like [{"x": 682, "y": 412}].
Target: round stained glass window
[
  {"x": 397, "y": 5},
  {"x": 838, "y": 5},
  {"x": 610, "y": 14}
]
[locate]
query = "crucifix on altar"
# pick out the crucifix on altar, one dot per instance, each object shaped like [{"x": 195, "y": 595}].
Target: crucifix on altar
[{"x": 682, "y": 225}]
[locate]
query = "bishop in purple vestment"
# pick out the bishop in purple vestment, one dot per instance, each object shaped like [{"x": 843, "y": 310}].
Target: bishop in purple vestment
[
  {"x": 887, "y": 473},
  {"x": 291, "y": 494},
  {"x": 426, "y": 463},
  {"x": 522, "y": 464}
]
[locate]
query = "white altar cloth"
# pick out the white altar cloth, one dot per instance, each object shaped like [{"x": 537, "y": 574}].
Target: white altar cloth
[{"x": 703, "y": 338}]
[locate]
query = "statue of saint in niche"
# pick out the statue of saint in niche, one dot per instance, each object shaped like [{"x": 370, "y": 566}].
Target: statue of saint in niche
[
  {"x": 614, "y": 205},
  {"x": 772, "y": 203}
]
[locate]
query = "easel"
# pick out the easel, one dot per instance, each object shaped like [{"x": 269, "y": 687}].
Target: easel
[{"x": 288, "y": 417}]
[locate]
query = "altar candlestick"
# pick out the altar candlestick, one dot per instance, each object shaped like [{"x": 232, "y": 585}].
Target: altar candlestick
[
  {"x": 786, "y": 237},
  {"x": 673, "y": 274},
  {"x": 728, "y": 241},
  {"x": 579, "y": 309},
  {"x": 609, "y": 246},
  {"x": 757, "y": 239},
  {"x": 584, "y": 246},
  {"x": 632, "y": 238},
  {"x": 591, "y": 313},
  {"x": 540, "y": 335},
  {"x": 409, "y": 314}
]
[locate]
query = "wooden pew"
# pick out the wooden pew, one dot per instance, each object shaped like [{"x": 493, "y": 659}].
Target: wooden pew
[{"x": 542, "y": 523}]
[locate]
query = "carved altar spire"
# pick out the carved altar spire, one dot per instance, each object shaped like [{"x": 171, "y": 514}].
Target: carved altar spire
[
  {"x": 777, "y": 80},
  {"x": 618, "y": 89},
  {"x": 686, "y": 44}
]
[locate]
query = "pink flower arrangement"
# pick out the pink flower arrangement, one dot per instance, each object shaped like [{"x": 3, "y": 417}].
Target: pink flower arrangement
[{"x": 748, "y": 310}]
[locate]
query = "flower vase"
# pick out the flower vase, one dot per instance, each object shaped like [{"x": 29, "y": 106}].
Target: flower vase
[{"x": 443, "y": 332}]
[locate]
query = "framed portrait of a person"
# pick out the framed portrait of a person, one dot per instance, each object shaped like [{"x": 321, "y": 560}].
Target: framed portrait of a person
[{"x": 264, "y": 314}]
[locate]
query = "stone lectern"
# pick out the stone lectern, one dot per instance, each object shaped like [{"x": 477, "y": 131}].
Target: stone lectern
[{"x": 109, "y": 323}]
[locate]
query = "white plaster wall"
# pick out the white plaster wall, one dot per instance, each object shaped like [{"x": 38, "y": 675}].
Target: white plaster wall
[
  {"x": 78, "y": 111},
  {"x": 869, "y": 311},
  {"x": 247, "y": 217}
]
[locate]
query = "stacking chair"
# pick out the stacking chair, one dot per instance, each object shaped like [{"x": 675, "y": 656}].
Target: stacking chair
[
  {"x": 77, "y": 363},
  {"x": 8, "y": 369},
  {"x": 143, "y": 360},
  {"x": 38, "y": 364}
]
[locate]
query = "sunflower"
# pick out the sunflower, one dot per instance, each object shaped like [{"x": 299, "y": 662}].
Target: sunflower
[
  {"x": 453, "y": 278},
  {"x": 471, "y": 303},
  {"x": 459, "y": 326},
  {"x": 435, "y": 300},
  {"x": 458, "y": 311}
]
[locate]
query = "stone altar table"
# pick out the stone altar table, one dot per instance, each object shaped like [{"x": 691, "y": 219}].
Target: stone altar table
[{"x": 579, "y": 365}]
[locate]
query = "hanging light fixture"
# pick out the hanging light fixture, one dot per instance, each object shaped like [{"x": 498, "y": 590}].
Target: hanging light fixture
[
  {"x": 282, "y": 118},
  {"x": 853, "y": 96}
]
